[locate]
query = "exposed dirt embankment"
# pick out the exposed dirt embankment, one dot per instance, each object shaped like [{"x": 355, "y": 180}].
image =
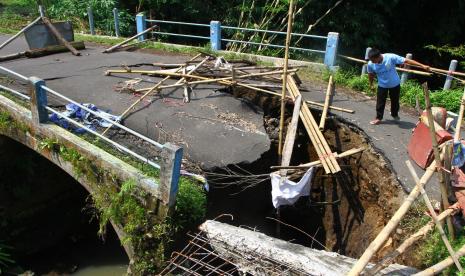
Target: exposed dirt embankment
[
  {"x": 364, "y": 195},
  {"x": 354, "y": 205}
]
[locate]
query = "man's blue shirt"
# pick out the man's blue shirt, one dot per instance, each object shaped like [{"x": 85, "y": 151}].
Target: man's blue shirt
[{"x": 386, "y": 70}]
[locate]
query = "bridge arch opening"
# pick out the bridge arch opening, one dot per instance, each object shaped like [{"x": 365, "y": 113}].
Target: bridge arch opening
[{"x": 47, "y": 218}]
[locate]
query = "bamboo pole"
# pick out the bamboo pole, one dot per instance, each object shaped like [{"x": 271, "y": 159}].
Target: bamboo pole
[
  {"x": 331, "y": 107},
  {"x": 111, "y": 49},
  {"x": 329, "y": 93},
  {"x": 306, "y": 166},
  {"x": 406, "y": 244},
  {"x": 59, "y": 37},
  {"x": 397, "y": 68},
  {"x": 145, "y": 95},
  {"x": 12, "y": 56},
  {"x": 437, "y": 268},
  {"x": 318, "y": 136},
  {"x": 286, "y": 63},
  {"x": 442, "y": 183},
  {"x": 458, "y": 126},
  {"x": 290, "y": 135},
  {"x": 174, "y": 74},
  {"x": 434, "y": 216},
  {"x": 393, "y": 222},
  {"x": 310, "y": 129},
  {"x": 8, "y": 41}
]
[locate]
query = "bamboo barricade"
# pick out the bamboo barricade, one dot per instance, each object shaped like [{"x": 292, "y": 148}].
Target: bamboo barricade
[
  {"x": 434, "y": 216},
  {"x": 442, "y": 183},
  {"x": 413, "y": 239},
  {"x": 397, "y": 68},
  {"x": 154, "y": 88},
  {"x": 59, "y": 37},
  {"x": 306, "y": 166},
  {"x": 329, "y": 94},
  {"x": 284, "y": 78},
  {"x": 290, "y": 135},
  {"x": 381, "y": 238},
  {"x": 325, "y": 154}
]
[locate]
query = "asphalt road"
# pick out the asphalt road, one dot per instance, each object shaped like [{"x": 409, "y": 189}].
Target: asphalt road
[
  {"x": 206, "y": 139},
  {"x": 194, "y": 125}
]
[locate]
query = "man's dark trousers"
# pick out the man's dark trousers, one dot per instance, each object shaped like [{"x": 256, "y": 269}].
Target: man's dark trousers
[{"x": 394, "y": 94}]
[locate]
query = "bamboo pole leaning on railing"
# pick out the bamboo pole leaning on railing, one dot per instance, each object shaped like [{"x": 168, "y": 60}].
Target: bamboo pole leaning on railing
[
  {"x": 442, "y": 184},
  {"x": 458, "y": 126},
  {"x": 381, "y": 238},
  {"x": 111, "y": 49}
]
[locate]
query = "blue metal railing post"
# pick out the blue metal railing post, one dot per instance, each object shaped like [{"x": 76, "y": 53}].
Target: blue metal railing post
[
  {"x": 364, "y": 67},
  {"x": 38, "y": 100},
  {"x": 170, "y": 172},
  {"x": 215, "y": 35},
  {"x": 141, "y": 24},
  {"x": 116, "y": 16},
  {"x": 452, "y": 67},
  {"x": 331, "y": 49},
  {"x": 404, "y": 76},
  {"x": 90, "y": 14}
]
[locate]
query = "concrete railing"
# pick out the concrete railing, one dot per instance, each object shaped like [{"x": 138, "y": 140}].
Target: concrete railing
[
  {"x": 169, "y": 163},
  {"x": 214, "y": 33}
]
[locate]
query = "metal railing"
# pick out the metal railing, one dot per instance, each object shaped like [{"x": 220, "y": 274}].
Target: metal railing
[
  {"x": 76, "y": 123},
  {"x": 216, "y": 38}
]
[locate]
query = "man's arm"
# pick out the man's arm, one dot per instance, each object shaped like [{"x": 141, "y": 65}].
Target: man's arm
[
  {"x": 371, "y": 77},
  {"x": 417, "y": 64}
]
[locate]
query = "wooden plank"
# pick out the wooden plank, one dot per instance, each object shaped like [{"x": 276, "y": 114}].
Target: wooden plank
[
  {"x": 290, "y": 135},
  {"x": 329, "y": 93},
  {"x": 60, "y": 38},
  {"x": 79, "y": 45}
]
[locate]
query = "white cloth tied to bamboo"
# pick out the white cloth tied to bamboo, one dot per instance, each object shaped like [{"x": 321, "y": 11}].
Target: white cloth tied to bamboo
[{"x": 287, "y": 192}]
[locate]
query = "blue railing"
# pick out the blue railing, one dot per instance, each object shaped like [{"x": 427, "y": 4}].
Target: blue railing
[{"x": 216, "y": 39}]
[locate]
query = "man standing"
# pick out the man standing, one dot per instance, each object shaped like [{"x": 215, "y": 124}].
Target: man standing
[{"x": 384, "y": 67}]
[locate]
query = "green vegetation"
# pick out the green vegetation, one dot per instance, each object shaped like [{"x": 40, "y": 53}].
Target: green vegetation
[
  {"x": 7, "y": 122},
  {"x": 123, "y": 205},
  {"x": 409, "y": 91},
  {"x": 433, "y": 251},
  {"x": 5, "y": 257}
]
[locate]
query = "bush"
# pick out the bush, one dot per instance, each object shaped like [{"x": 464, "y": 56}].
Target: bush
[{"x": 76, "y": 11}]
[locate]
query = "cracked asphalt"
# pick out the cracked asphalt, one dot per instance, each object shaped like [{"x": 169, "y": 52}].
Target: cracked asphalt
[{"x": 168, "y": 119}]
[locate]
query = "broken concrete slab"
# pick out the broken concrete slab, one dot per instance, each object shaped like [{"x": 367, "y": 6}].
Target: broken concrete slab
[{"x": 251, "y": 250}]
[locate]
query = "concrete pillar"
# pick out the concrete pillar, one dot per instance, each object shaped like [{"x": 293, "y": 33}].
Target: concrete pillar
[
  {"x": 90, "y": 14},
  {"x": 38, "y": 100},
  {"x": 215, "y": 35},
  {"x": 331, "y": 50},
  {"x": 364, "y": 67},
  {"x": 141, "y": 25},
  {"x": 404, "y": 76},
  {"x": 116, "y": 17},
  {"x": 452, "y": 67},
  {"x": 170, "y": 171}
]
